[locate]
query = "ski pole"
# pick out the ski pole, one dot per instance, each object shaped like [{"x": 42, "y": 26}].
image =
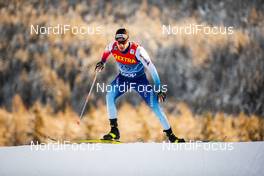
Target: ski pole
[{"x": 87, "y": 97}]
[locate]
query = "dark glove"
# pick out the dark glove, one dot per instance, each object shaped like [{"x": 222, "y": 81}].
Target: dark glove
[
  {"x": 99, "y": 66},
  {"x": 162, "y": 96}
]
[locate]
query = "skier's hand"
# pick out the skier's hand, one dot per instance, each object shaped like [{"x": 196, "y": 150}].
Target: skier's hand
[
  {"x": 162, "y": 96},
  {"x": 99, "y": 66}
]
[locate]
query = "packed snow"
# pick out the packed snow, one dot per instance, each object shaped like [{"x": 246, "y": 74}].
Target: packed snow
[{"x": 164, "y": 159}]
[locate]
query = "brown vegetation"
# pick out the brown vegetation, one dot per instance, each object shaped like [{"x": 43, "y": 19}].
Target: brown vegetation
[{"x": 140, "y": 124}]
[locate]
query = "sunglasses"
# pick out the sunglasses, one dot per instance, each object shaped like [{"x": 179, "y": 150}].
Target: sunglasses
[
  {"x": 121, "y": 38},
  {"x": 122, "y": 42}
]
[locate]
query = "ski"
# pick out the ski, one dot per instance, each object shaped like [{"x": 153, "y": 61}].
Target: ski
[{"x": 97, "y": 141}]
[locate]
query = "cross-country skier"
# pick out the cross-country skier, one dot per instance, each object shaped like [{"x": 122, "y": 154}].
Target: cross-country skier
[{"x": 131, "y": 59}]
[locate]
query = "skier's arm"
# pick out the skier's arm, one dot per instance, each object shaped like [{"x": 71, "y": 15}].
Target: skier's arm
[
  {"x": 143, "y": 56},
  {"x": 100, "y": 65},
  {"x": 107, "y": 52}
]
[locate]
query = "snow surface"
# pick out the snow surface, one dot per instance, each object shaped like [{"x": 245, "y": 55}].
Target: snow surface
[{"x": 134, "y": 159}]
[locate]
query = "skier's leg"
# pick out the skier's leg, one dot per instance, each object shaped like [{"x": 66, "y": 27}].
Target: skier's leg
[
  {"x": 111, "y": 97},
  {"x": 150, "y": 97}
]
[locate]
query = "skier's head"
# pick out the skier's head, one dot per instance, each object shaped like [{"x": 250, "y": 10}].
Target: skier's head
[{"x": 121, "y": 37}]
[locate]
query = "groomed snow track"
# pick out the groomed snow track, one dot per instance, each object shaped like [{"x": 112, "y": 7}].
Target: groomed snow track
[{"x": 212, "y": 159}]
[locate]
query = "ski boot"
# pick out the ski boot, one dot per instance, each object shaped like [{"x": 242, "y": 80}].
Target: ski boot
[
  {"x": 114, "y": 132},
  {"x": 172, "y": 138}
]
